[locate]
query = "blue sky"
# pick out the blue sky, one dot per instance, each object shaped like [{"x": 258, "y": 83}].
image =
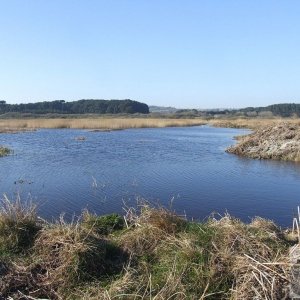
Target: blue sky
[{"x": 200, "y": 54}]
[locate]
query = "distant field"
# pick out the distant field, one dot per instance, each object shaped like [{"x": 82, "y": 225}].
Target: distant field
[{"x": 97, "y": 123}]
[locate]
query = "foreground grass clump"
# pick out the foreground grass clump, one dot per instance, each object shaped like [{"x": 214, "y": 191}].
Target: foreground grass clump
[
  {"x": 19, "y": 225},
  {"x": 70, "y": 253},
  {"x": 152, "y": 254},
  {"x": 63, "y": 256}
]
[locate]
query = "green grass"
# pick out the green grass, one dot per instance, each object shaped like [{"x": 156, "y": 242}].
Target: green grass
[{"x": 103, "y": 224}]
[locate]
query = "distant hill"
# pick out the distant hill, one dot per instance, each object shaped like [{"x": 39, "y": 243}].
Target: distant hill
[
  {"x": 127, "y": 106},
  {"x": 91, "y": 106},
  {"x": 279, "y": 110},
  {"x": 162, "y": 109}
]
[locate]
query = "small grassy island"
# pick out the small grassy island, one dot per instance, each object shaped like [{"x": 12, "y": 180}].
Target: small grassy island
[
  {"x": 151, "y": 253},
  {"x": 4, "y": 151}
]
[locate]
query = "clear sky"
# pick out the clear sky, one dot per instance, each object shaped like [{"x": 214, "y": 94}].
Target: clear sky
[{"x": 200, "y": 54}]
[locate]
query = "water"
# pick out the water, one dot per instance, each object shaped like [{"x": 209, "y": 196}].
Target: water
[{"x": 187, "y": 167}]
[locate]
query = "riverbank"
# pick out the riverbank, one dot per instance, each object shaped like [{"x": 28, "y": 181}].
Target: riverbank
[
  {"x": 151, "y": 253},
  {"x": 279, "y": 142}
]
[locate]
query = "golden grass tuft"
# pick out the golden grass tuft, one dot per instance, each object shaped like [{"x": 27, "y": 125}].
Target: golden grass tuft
[
  {"x": 151, "y": 226},
  {"x": 256, "y": 254},
  {"x": 262, "y": 277},
  {"x": 72, "y": 253},
  {"x": 18, "y": 224}
]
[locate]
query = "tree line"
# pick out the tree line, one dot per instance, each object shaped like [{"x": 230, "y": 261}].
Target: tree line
[
  {"x": 282, "y": 110},
  {"x": 91, "y": 106}
]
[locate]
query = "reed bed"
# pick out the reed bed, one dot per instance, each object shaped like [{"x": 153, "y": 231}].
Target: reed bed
[
  {"x": 96, "y": 123},
  {"x": 149, "y": 253},
  {"x": 108, "y": 123}
]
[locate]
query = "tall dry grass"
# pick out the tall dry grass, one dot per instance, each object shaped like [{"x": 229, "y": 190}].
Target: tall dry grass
[
  {"x": 19, "y": 224},
  {"x": 96, "y": 123}
]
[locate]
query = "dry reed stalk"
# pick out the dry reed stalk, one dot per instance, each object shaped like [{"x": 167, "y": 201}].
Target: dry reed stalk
[
  {"x": 17, "y": 210},
  {"x": 19, "y": 224},
  {"x": 296, "y": 222},
  {"x": 259, "y": 277}
]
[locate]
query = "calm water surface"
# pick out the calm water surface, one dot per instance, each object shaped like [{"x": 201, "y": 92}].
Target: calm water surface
[{"x": 188, "y": 165}]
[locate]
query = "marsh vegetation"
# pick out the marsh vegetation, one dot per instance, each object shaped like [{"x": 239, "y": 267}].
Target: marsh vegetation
[
  {"x": 150, "y": 253},
  {"x": 95, "y": 123},
  {"x": 27, "y": 122}
]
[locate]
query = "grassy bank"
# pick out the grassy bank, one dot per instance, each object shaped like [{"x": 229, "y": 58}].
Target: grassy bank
[
  {"x": 151, "y": 253},
  {"x": 96, "y": 123}
]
